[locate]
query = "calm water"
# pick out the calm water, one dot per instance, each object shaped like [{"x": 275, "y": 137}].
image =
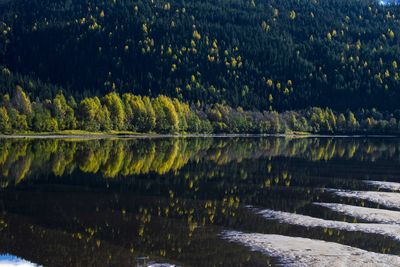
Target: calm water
[{"x": 142, "y": 201}]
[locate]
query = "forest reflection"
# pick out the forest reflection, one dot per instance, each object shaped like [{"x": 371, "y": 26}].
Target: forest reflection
[
  {"x": 108, "y": 202},
  {"x": 121, "y": 157}
]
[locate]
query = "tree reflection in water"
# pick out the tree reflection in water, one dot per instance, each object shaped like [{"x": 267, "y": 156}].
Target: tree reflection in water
[{"x": 110, "y": 202}]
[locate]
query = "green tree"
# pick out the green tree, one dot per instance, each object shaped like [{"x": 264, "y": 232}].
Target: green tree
[
  {"x": 42, "y": 120},
  {"x": 4, "y": 120},
  {"x": 167, "y": 120},
  {"x": 21, "y": 101},
  {"x": 72, "y": 102},
  {"x": 352, "y": 123},
  {"x": 150, "y": 122},
  {"x": 341, "y": 122},
  {"x": 104, "y": 119},
  {"x": 90, "y": 112},
  {"x": 274, "y": 122},
  {"x": 117, "y": 111},
  {"x": 63, "y": 113},
  {"x": 18, "y": 121},
  {"x": 6, "y": 101},
  {"x": 332, "y": 120},
  {"x": 183, "y": 112},
  {"x": 136, "y": 113}
]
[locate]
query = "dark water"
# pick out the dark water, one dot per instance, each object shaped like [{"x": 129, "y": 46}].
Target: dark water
[{"x": 131, "y": 202}]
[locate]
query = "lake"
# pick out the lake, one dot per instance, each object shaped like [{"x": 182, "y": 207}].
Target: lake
[{"x": 227, "y": 201}]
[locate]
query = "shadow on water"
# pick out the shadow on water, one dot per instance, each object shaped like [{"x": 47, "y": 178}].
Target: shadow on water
[{"x": 122, "y": 202}]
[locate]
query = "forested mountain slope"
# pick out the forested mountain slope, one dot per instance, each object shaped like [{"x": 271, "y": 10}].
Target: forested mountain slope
[{"x": 257, "y": 54}]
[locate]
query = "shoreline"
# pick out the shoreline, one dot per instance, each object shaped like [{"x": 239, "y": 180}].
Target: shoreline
[{"x": 95, "y": 135}]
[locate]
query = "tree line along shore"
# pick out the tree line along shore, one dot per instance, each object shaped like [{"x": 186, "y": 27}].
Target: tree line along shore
[{"x": 128, "y": 113}]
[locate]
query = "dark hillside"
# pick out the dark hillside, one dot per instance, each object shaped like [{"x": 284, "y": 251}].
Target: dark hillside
[{"x": 288, "y": 54}]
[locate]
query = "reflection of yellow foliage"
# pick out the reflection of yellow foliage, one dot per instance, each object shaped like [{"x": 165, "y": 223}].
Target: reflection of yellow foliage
[
  {"x": 91, "y": 163},
  {"x": 269, "y": 167},
  {"x": 115, "y": 163},
  {"x": 351, "y": 151},
  {"x": 4, "y": 150},
  {"x": 165, "y": 159},
  {"x": 141, "y": 231},
  {"x": 22, "y": 169},
  {"x": 142, "y": 163},
  {"x": 135, "y": 157},
  {"x": 63, "y": 158}
]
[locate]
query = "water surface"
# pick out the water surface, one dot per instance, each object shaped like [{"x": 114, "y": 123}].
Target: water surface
[{"x": 199, "y": 201}]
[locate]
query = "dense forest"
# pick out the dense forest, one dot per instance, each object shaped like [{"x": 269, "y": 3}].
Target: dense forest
[
  {"x": 162, "y": 114},
  {"x": 231, "y": 64}
]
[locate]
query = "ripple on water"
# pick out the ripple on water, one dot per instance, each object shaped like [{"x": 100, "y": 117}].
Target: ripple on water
[
  {"x": 296, "y": 251},
  {"x": 387, "y": 199},
  {"x": 363, "y": 213},
  {"x": 389, "y": 230},
  {"x": 385, "y": 185}
]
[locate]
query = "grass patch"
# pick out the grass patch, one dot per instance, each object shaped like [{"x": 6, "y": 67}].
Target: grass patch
[{"x": 74, "y": 133}]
